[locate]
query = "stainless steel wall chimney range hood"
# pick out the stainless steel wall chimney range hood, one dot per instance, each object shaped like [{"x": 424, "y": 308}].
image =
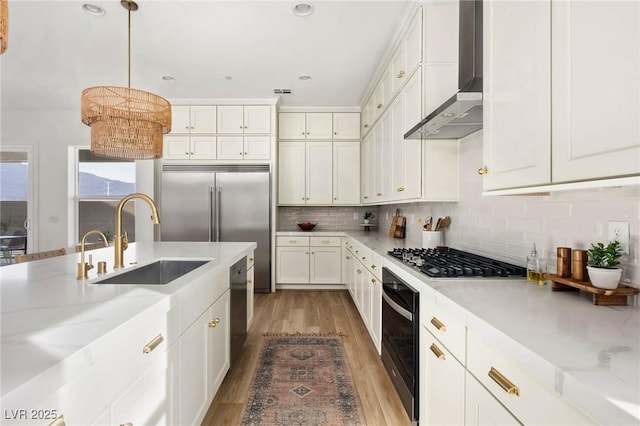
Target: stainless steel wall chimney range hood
[{"x": 461, "y": 114}]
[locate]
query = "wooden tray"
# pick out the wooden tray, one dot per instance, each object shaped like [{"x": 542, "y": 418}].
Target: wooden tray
[{"x": 601, "y": 296}]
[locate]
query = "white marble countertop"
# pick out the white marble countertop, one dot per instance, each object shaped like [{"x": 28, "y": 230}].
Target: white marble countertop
[
  {"x": 47, "y": 316},
  {"x": 309, "y": 233},
  {"x": 590, "y": 355}
]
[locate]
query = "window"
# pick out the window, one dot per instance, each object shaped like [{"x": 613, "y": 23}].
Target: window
[{"x": 101, "y": 184}]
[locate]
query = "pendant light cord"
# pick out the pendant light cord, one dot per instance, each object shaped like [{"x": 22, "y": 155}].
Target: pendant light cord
[{"x": 129, "y": 49}]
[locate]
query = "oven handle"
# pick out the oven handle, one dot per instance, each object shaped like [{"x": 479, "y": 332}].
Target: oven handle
[{"x": 399, "y": 309}]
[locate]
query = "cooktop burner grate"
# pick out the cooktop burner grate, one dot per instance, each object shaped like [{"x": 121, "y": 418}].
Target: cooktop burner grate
[{"x": 446, "y": 262}]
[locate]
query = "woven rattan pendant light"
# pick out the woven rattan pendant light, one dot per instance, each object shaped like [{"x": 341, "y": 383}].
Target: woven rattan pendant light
[
  {"x": 125, "y": 123},
  {"x": 4, "y": 25}
]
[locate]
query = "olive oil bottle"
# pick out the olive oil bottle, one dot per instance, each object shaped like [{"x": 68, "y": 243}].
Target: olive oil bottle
[{"x": 535, "y": 268}]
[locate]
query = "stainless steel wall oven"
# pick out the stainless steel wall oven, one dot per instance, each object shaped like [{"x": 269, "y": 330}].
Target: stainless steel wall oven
[{"x": 400, "y": 339}]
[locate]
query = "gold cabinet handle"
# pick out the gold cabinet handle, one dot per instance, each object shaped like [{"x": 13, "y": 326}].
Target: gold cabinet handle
[
  {"x": 126, "y": 424},
  {"x": 436, "y": 351},
  {"x": 335, "y": 133},
  {"x": 364, "y": 257},
  {"x": 373, "y": 281},
  {"x": 249, "y": 282},
  {"x": 401, "y": 74},
  {"x": 437, "y": 324},
  {"x": 152, "y": 344},
  {"x": 348, "y": 257},
  {"x": 373, "y": 266},
  {"x": 483, "y": 171},
  {"x": 214, "y": 322},
  {"x": 58, "y": 421},
  {"x": 506, "y": 384},
  {"x": 379, "y": 106},
  {"x": 365, "y": 197},
  {"x": 400, "y": 189},
  {"x": 250, "y": 259},
  {"x": 358, "y": 271},
  {"x": 366, "y": 125}
]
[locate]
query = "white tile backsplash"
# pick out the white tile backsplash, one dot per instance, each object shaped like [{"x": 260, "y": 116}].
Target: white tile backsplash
[
  {"x": 327, "y": 218},
  {"x": 507, "y": 226}
]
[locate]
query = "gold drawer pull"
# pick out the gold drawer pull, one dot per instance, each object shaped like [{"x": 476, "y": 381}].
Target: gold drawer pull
[
  {"x": 379, "y": 106},
  {"x": 249, "y": 282},
  {"x": 364, "y": 257},
  {"x": 373, "y": 266},
  {"x": 400, "y": 189},
  {"x": 503, "y": 382},
  {"x": 483, "y": 171},
  {"x": 58, "y": 421},
  {"x": 366, "y": 125},
  {"x": 250, "y": 259},
  {"x": 126, "y": 424},
  {"x": 214, "y": 322},
  {"x": 373, "y": 280},
  {"x": 401, "y": 74},
  {"x": 359, "y": 271},
  {"x": 436, "y": 351},
  {"x": 437, "y": 324},
  {"x": 348, "y": 257},
  {"x": 152, "y": 344}
]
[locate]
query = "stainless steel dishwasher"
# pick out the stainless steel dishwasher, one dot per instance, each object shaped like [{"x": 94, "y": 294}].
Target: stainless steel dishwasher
[{"x": 238, "y": 307}]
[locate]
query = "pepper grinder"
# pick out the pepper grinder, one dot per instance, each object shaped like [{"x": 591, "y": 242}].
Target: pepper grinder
[
  {"x": 580, "y": 266},
  {"x": 563, "y": 262}
]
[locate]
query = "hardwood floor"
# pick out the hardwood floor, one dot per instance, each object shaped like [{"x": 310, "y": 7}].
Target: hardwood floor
[{"x": 290, "y": 311}]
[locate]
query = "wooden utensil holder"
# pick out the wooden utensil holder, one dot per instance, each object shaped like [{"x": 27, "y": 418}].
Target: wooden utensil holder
[{"x": 601, "y": 296}]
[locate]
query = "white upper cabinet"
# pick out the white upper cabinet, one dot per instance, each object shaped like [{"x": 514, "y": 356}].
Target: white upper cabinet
[
  {"x": 346, "y": 125},
  {"x": 346, "y": 172},
  {"x": 193, "y": 119},
  {"x": 596, "y": 89},
  {"x": 517, "y": 95},
  {"x": 319, "y": 174},
  {"x": 189, "y": 148},
  {"x": 244, "y": 147},
  {"x": 299, "y": 125},
  {"x": 244, "y": 119},
  {"x": 291, "y": 173},
  {"x": 413, "y": 45}
]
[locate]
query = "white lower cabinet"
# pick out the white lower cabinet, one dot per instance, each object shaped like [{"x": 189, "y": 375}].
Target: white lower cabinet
[
  {"x": 482, "y": 409},
  {"x": 308, "y": 260},
  {"x": 250, "y": 294},
  {"x": 152, "y": 399},
  {"x": 204, "y": 360},
  {"x": 442, "y": 384}
]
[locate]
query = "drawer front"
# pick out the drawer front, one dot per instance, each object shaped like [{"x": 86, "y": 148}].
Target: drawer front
[
  {"x": 292, "y": 241},
  {"x": 325, "y": 241},
  {"x": 443, "y": 325},
  {"x": 531, "y": 401},
  {"x": 375, "y": 265}
]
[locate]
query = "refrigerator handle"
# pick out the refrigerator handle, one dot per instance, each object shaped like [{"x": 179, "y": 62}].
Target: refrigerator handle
[
  {"x": 218, "y": 209},
  {"x": 210, "y": 212}
]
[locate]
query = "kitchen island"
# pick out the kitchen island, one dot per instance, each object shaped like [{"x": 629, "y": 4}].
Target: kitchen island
[{"x": 90, "y": 351}]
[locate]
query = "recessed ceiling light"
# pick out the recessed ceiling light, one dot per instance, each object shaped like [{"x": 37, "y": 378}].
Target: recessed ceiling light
[
  {"x": 303, "y": 9},
  {"x": 305, "y": 77},
  {"x": 168, "y": 78},
  {"x": 228, "y": 77},
  {"x": 92, "y": 9}
]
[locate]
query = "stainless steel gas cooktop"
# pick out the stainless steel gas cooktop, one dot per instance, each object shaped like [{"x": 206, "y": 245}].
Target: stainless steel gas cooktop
[{"x": 446, "y": 262}]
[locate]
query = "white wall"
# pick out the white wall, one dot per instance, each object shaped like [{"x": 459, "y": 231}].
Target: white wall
[{"x": 507, "y": 226}]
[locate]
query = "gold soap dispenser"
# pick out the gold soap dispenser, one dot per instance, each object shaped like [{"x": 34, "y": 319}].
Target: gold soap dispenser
[{"x": 536, "y": 268}]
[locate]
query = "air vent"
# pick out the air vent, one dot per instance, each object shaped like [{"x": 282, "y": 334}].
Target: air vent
[{"x": 282, "y": 91}]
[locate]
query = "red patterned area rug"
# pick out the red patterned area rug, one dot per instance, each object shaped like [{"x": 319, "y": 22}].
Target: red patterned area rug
[{"x": 303, "y": 380}]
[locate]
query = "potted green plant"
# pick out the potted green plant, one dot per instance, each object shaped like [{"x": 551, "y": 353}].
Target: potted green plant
[
  {"x": 368, "y": 216},
  {"x": 603, "y": 264}
]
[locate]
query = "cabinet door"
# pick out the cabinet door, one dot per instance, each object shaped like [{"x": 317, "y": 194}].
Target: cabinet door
[
  {"x": 444, "y": 377},
  {"x": 383, "y": 134},
  {"x": 230, "y": 148},
  {"x": 366, "y": 117},
  {"x": 203, "y": 148},
  {"x": 379, "y": 101},
  {"x": 257, "y": 119},
  {"x": 365, "y": 166},
  {"x": 481, "y": 408},
  {"x": 218, "y": 345},
  {"x": 203, "y": 119},
  {"x": 375, "y": 320},
  {"x": 346, "y": 125},
  {"x": 347, "y": 268},
  {"x": 346, "y": 172},
  {"x": 406, "y": 155},
  {"x": 517, "y": 94},
  {"x": 176, "y": 148},
  {"x": 398, "y": 70},
  {"x": 413, "y": 44},
  {"x": 292, "y": 265},
  {"x": 230, "y": 119},
  {"x": 358, "y": 281},
  {"x": 250, "y": 295},
  {"x": 153, "y": 399},
  {"x": 319, "y": 125},
  {"x": 325, "y": 265},
  {"x": 194, "y": 359},
  {"x": 291, "y": 173},
  {"x": 180, "y": 119},
  {"x": 291, "y": 125},
  {"x": 596, "y": 89},
  {"x": 319, "y": 174},
  {"x": 257, "y": 147}
]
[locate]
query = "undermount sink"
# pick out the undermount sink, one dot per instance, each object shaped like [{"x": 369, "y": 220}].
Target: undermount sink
[{"x": 160, "y": 272}]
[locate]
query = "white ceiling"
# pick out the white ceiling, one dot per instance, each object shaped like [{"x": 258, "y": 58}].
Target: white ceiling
[{"x": 56, "y": 50}]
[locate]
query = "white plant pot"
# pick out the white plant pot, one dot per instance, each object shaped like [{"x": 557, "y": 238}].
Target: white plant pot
[
  {"x": 366, "y": 221},
  {"x": 604, "y": 278}
]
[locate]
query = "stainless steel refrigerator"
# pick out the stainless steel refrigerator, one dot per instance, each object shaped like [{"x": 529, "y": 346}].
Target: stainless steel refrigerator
[{"x": 219, "y": 203}]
